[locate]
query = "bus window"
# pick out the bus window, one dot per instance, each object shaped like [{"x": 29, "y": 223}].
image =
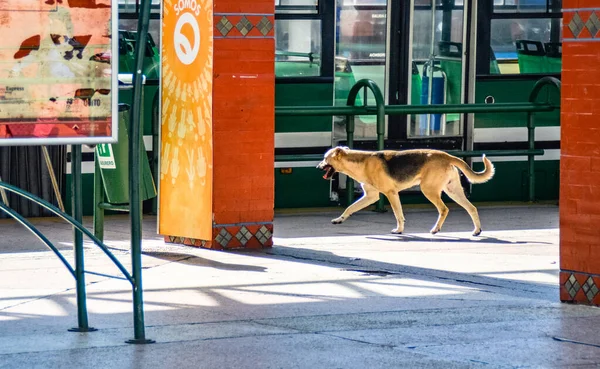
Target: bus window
[
  {"x": 522, "y": 40},
  {"x": 526, "y": 6},
  {"x": 361, "y": 28},
  {"x": 297, "y": 48},
  {"x": 296, "y": 6}
]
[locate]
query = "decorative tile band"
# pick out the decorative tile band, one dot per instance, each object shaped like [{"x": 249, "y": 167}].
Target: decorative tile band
[
  {"x": 581, "y": 25},
  {"x": 187, "y": 241},
  {"x": 230, "y": 25},
  {"x": 579, "y": 288},
  {"x": 246, "y": 235},
  {"x": 232, "y": 236}
]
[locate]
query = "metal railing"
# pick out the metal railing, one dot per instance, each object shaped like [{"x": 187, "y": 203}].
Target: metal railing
[
  {"x": 78, "y": 272},
  {"x": 350, "y": 111}
]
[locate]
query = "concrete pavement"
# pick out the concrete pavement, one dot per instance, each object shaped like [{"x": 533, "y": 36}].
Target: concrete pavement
[{"x": 345, "y": 296}]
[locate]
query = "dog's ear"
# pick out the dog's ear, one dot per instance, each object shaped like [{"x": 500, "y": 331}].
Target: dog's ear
[{"x": 337, "y": 151}]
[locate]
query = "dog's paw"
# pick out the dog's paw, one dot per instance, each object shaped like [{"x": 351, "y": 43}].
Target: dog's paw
[
  {"x": 434, "y": 231},
  {"x": 396, "y": 231},
  {"x": 338, "y": 220},
  {"x": 477, "y": 232}
]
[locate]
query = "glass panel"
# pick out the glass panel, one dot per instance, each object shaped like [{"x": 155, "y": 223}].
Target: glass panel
[
  {"x": 364, "y": 2},
  {"x": 297, "y": 47},
  {"x": 153, "y": 28},
  {"x": 312, "y": 3},
  {"x": 445, "y": 63},
  {"x": 128, "y": 6},
  {"x": 526, "y": 6},
  {"x": 360, "y": 53},
  {"x": 527, "y": 45},
  {"x": 296, "y": 6}
]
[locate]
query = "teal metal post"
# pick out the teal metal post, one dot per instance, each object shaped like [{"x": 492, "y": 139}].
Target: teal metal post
[
  {"x": 380, "y": 108},
  {"x": 542, "y": 82},
  {"x": 350, "y": 142},
  {"x": 380, "y": 138},
  {"x": 135, "y": 174},
  {"x": 531, "y": 157},
  {"x": 77, "y": 208},
  {"x": 98, "y": 199}
]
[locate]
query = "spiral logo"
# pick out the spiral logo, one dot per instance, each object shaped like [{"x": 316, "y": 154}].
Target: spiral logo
[{"x": 186, "y": 53}]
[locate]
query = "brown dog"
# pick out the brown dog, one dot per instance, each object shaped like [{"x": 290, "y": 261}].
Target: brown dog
[{"x": 389, "y": 172}]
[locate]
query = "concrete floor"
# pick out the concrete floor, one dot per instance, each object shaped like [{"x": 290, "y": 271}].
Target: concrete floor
[{"x": 325, "y": 296}]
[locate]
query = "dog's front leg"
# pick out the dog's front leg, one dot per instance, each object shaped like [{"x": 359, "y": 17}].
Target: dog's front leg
[
  {"x": 370, "y": 195},
  {"x": 394, "y": 200}
]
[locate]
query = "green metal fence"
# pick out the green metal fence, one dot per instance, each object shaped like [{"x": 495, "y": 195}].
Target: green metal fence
[
  {"x": 78, "y": 272},
  {"x": 381, "y": 110}
]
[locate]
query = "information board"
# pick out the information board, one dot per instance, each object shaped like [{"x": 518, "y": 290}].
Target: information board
[{"x": 58, "y": 72}]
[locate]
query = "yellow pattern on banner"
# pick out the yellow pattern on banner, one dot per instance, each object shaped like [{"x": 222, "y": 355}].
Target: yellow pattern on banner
[{"x": 186, "y": 124}]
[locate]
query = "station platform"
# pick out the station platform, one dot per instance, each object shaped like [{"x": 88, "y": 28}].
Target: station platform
[{"x": 325, "y": 296}]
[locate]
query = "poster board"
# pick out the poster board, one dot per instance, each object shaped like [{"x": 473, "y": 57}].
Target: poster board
[
  {"x": 186, "y": 173},
  {"x": 58, "y": 72}
]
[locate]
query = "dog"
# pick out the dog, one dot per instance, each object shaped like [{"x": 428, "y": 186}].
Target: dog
[{"x": 389, "y": 172}]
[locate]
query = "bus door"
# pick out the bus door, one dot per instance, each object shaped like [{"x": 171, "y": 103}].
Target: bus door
[{"x": 431, "y": 63}]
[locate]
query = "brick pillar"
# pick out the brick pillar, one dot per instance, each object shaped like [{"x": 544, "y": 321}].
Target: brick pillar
[
  {"x": 580, "y": 154},
  {"x": 243, "y": 118}
]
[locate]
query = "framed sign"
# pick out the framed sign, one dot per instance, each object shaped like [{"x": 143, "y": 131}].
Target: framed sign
[{"x": 58, "y": 78}]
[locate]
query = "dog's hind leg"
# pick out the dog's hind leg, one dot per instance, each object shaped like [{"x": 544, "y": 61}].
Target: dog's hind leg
[
  {"x": 434, "y": 194},
  {"x": 370, "y": 195},
  {"x": 455, "y": 191},
  {"x": 394, "y": 200}
]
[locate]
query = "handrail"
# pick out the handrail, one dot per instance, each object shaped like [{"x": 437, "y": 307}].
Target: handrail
[
  {"x": 19, "y": 218},
  {"x": 525, "y": 107},
  {"x": 379, "y": 111},
  {"x": 537, "y": 88},
  {"x": 70, "y": 220}
]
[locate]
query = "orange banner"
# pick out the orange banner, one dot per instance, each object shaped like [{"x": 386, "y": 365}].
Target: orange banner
[{"x": 186, "y": 178}]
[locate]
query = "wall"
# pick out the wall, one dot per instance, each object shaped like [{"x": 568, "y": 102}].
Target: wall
[{"x": 580, "y": 154}]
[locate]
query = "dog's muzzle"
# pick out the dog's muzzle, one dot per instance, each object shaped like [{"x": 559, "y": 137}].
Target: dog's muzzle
[{"x": 329, "y": 170}]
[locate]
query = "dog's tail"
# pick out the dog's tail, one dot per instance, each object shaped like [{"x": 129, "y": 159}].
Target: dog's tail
[{"x": 472, "y": 176}]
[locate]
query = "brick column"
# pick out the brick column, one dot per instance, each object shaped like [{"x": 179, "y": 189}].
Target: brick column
[
  {"x": 243, "y": 126},
  {"x": 580, "y": 154}
]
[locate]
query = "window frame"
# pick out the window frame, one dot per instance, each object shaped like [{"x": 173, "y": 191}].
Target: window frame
[{"x": 325, "y": 13}]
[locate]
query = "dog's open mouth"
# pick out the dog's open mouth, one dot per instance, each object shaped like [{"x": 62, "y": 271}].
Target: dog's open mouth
[{"x": 329, "y": 171}]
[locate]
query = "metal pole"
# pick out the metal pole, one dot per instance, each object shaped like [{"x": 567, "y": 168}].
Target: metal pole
[
  {"x": 530, "y": 157},
  {"x": 135, "y": 211},
  {"x": 350, "y": 142},
  {"x": 429, "y": 94},
  {"x": 98, "y": 199},
  {"x": 542, "y": 82},
  {"x": 61, "y": 206},
  {"x": 380, "y": 106},
  {"x": 432, "y": 61},
  {"x": 380, "y": 207},
  {"x": 77, "y": 209}
]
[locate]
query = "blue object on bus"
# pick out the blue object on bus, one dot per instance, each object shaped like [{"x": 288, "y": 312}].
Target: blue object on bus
[{"x": 437, "y": 97}]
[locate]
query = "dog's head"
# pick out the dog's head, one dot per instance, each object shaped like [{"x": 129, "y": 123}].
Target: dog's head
[{"x": 332, "y": 161}]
